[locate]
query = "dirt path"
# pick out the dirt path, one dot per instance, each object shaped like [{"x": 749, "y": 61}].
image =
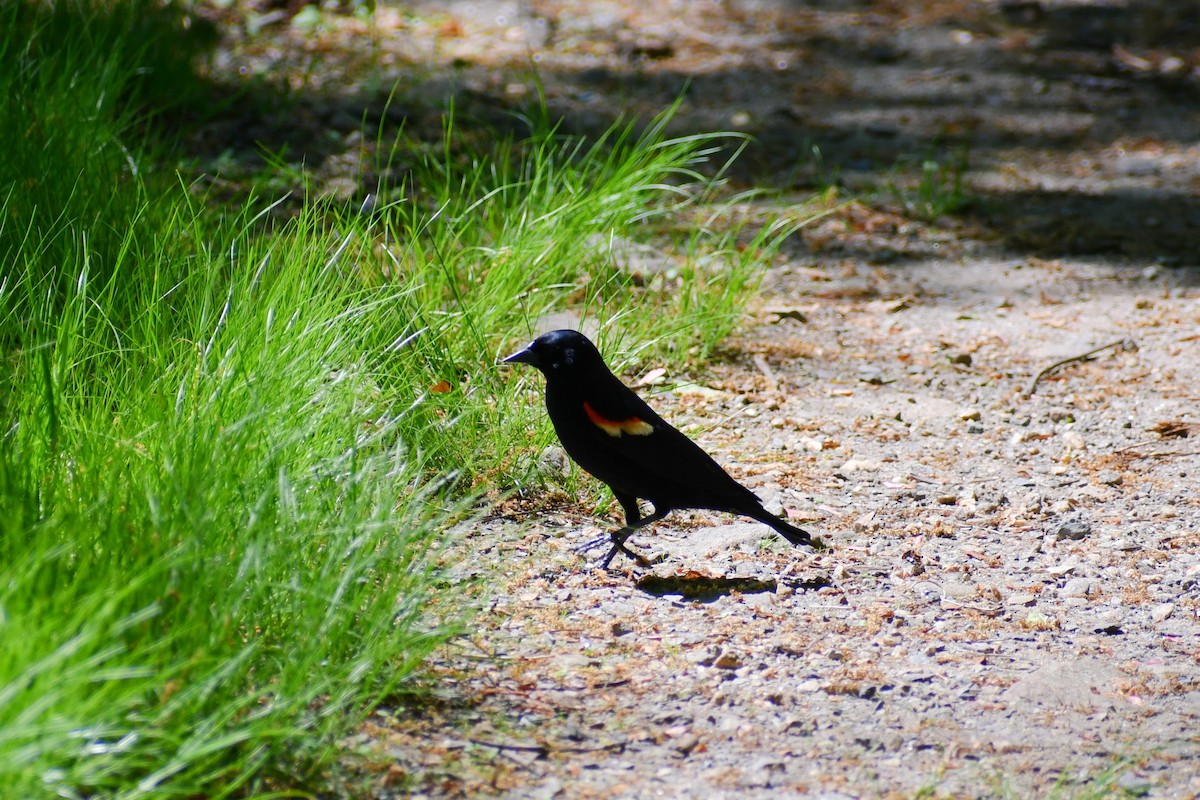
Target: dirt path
[{"x": 1010, "y": 603}]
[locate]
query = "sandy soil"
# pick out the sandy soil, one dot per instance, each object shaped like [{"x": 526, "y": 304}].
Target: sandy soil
[{"x": 1008, "y": 605}]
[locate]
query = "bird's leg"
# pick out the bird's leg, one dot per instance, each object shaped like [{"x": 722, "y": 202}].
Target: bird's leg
[
  {"x": 629, "y": 504},
  {"x": 621, "y": 534},
  {"x": 618, "y": 539},
  {"x": 633, "y": 516}
]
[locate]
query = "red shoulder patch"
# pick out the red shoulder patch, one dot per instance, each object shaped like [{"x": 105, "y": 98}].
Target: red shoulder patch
[{"x": 634, "y": 426}]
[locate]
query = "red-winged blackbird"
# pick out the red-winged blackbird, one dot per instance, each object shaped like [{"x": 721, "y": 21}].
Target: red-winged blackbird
[{"x": 611, "y": 432}]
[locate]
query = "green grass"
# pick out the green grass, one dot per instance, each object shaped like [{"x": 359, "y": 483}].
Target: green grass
[
  {"x": 213, "y": 526},
  {"x": 936, "y": 191},
  {"x": 234, "y": 442}
]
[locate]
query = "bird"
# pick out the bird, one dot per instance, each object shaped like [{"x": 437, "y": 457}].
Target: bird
[{"x": 609, "y": 431}]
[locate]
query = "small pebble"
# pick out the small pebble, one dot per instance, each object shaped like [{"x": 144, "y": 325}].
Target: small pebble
[
  {"x": 861, "y": 465},
  {"x": 1124, "y": 545},
  {"x": 1161, "y": 612},
  {"x": 727, "y": 660},
  {"x": 686, "y": 745},
  {"x": 1110, "y": 622},
  {"x": 1073, "y": 440},
  {"x": 1110, "y": 477},
  {"x": 1073, "y": 531},
  {"x": 1077, "y": 587},
  {"x": 553, "y": 464},
  {"x": 871, "y": 374}
]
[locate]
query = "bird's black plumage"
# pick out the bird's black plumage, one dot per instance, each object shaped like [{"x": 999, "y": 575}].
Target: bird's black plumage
[{"x": 611, "y": 432}]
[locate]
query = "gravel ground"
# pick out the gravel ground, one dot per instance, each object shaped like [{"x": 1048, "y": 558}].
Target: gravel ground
[{"x": 1008, "y": 605}]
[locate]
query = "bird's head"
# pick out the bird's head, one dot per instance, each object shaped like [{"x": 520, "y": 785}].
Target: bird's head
[{"x": 559, "y": 353}]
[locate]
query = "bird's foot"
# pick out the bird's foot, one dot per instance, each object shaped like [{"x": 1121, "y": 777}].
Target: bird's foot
[
  {"x": 593, "y": 543},
  {"x": 619, "y": 547},
  {"x": 617, "y": 538}
]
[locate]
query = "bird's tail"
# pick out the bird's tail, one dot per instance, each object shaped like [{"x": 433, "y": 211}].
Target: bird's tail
[{"x": 796, "y": 536}]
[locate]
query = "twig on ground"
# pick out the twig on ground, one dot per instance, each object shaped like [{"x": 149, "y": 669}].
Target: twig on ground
[
  {"x": 1136, "y": 445},
  {"x": 545, "y": 750},
  {"x": 760, "y": 361},
  {"x": 1124, "y": 344}
]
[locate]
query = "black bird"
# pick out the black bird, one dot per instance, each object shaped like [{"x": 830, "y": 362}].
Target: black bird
[{"x": 611, "y": 432}]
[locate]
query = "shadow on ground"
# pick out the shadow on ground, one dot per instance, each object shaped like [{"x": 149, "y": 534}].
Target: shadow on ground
[{"x": 1076, "y": 124}]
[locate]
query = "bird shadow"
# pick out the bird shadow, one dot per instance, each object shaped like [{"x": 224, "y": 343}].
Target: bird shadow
[{"x": 702, "y": 588}]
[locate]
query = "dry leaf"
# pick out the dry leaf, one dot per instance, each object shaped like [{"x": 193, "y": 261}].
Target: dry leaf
[
  {"x": 653, "y": 377},
  {"x": 1174, "y": 429},
  {"x": 451, "y": 29}
]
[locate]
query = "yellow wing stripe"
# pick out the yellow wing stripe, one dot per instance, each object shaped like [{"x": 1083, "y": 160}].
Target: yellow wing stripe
[{"x": 632, "y": 426}]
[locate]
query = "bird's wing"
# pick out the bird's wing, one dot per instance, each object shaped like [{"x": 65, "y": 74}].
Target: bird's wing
[
  {"x": 617, "y": 411},
  {"x": 641, "y": 453}
]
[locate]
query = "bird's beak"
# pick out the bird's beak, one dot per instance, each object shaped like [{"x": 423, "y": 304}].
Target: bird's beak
[{"x": 525, "y": 356}]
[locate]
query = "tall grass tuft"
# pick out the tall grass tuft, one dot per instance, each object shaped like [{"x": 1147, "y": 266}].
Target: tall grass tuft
[
  {"x": 213, "y": 527},
  {"x": 496, "y": 246}
]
